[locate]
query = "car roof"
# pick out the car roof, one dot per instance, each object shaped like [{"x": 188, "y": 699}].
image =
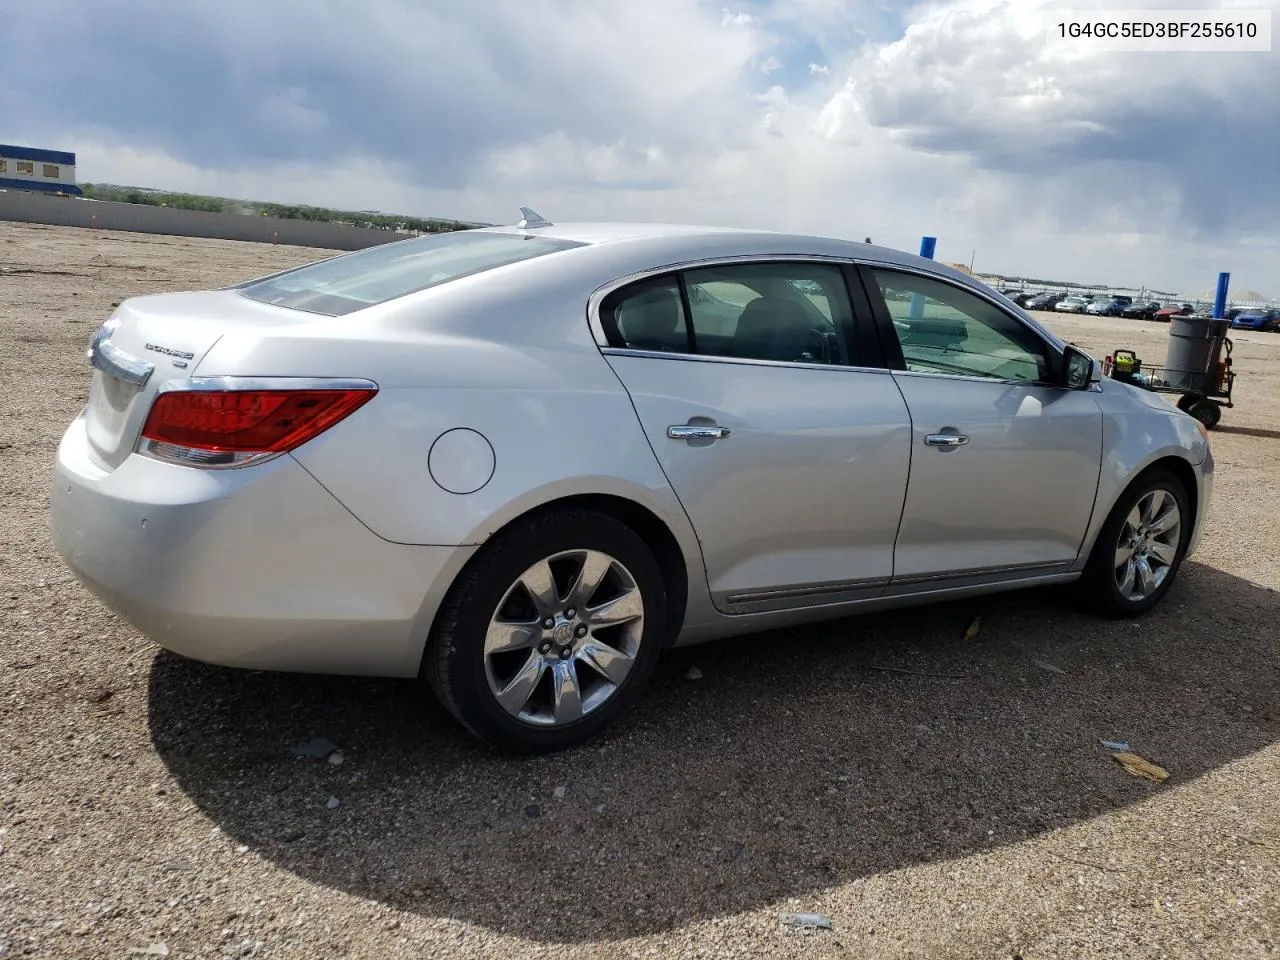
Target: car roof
[{"x": 687, "y": 237}]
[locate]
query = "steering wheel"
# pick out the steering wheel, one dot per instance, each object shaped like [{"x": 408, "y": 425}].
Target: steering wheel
[{"x": 824, "y": 338}]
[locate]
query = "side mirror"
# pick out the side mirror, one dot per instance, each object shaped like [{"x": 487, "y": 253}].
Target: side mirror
[{"x": 1082, "y": 371}]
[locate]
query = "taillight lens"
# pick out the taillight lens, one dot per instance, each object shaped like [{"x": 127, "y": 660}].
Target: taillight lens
[{"x": 233, "y": 427}]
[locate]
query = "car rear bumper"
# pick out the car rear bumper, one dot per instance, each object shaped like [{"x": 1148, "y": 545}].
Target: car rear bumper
[{"x": 259, "y": 567}]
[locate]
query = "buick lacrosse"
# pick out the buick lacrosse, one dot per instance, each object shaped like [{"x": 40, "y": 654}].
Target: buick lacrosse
[{"x": 521, "y": 461}]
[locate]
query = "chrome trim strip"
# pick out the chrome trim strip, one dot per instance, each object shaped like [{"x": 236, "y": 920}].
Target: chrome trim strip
[
  {"x": 711, "y": 358},
  {"x": 111, "y": 360},
  {"x": 974, "y": 378},
  {"x": 813, "y": 590},
  {"x": 1028, "y": 568},
  {"x": 267, "y": 383}
]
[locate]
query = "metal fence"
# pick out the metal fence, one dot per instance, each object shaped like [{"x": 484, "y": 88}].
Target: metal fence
[{"x": 141, "y": 218}]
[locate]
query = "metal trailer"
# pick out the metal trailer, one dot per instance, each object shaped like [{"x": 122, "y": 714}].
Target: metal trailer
[{"x": 1203, "y": 392}]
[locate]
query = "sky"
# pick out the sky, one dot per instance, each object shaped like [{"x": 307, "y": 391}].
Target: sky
[{"x": 848, "y": 118}]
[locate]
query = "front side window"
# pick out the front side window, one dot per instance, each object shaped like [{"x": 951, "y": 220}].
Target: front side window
[
  {"x": 785, "y": 312},
  {"x": 375, "y": 275},
  {"x": 943, "y": 329},
  {"x": 50, "y": 170}
]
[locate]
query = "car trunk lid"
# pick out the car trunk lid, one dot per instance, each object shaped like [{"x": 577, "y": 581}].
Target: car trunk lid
[{"x": 156, "y": 340}]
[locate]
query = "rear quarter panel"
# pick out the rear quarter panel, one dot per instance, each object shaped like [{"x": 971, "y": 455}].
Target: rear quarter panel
[{"x": 512, "y": 361}]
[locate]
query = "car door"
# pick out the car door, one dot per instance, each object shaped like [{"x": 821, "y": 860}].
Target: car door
[
  {"x": 1005, "y": 463},
  {"x": 775, "y": 422}
]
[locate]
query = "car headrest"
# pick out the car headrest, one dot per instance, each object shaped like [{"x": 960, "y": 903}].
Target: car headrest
[
  {"x": 768, "y": 318},
  {"x": 652, "y": 318}
]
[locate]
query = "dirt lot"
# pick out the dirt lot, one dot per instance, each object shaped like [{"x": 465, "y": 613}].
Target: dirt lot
[{"x": 146, "y": 799}]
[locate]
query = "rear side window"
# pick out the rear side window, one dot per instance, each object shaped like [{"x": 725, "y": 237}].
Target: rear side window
[
  {"x": 386, "y": 272},
  {"x": 785, "y": 312}
]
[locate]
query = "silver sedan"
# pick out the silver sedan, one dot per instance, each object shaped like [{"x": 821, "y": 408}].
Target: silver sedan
[{"x": 519, "y": 462}]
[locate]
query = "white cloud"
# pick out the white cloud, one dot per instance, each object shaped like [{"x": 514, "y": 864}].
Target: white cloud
[{"x": 959, "y": 123}]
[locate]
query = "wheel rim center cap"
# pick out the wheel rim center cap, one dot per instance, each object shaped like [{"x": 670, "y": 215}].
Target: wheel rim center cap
[{"x": 562, "y": 632}]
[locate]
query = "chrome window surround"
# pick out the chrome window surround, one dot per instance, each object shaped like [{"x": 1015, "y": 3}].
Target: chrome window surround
[{"x": 598, "y": 296}]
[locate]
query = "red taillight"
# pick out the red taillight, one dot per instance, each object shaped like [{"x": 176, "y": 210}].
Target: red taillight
[{"x": 248, "y": 421}]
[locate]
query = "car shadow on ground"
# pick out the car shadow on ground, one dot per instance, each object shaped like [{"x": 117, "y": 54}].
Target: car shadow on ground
[
  {"x": 1260, "y": 432},
  {"x": 793, "y": 764}
]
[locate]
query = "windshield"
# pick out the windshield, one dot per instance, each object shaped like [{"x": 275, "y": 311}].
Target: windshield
[{"x": 375, "y": 275}]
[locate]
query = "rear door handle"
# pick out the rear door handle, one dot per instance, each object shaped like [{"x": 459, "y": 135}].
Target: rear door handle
[
  {"x": 946, "y": 439},
  {"x": 697, "y": 431}
]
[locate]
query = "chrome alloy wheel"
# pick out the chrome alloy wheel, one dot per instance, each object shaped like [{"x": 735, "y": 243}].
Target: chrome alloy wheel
[
  {"x": 1148, "y": 545},
  {"x": 564, "y": 637}
]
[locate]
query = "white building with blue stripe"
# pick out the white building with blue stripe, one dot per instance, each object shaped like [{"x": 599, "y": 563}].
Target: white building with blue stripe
[{"x": 30, "y": 168}]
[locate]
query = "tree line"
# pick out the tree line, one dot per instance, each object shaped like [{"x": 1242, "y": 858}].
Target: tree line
[{"x": 192, "y": 201}]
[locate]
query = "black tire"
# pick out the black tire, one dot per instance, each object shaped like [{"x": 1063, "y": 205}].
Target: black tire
[
  {"x": 1207, "y": 412},
  {"x": 1097, "y": 588},
  {"x": 454, "y": 662},
  {"x": 1187, "y": 401}
]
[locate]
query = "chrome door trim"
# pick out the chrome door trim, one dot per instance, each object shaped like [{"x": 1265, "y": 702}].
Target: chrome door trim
[
  {"x": 111, "y": 360},
  {"x": 747, "y": 361},
  {"x": 974, "y": 378},
  {"x": 963, "y": 577},
  {"x": 807, "y": 595}
]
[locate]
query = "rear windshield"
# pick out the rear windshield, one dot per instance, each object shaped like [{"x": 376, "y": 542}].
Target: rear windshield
[{"x": 375, "y": 275}]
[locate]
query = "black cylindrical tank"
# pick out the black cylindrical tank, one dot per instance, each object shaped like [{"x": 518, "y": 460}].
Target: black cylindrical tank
[{"x": 1195, "y": 345}]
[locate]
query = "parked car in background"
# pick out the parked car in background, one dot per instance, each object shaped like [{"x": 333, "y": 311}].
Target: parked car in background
[
  {"x": 1042, "y": 301},
  {"x": 1256, "y": 319},
  {"x": 1124, "y": 299},
  {"x": 1171, "y": 310},
  {"x": 522, "y": 462},
  {"x": 1141, "y": 310},
  {"x": 1104, "y": 307},
  {"x": 1072, "y": 305}
]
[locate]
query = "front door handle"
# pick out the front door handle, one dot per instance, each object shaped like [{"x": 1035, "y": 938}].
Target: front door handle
[
  {"x": 946, "y": 439},
  {"x": 697, "y": 431}
]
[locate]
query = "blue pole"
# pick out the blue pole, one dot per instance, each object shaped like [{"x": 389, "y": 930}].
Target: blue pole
[
  {"x": 927, "y": 245},
  {"x": 1220, "y": 300}
]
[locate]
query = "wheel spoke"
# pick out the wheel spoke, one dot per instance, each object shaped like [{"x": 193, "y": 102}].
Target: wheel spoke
[
  {"x": 595, "y": 567},
  {"x": 568, "y": 696},
  {"x": 503, "y": 637},
  {"x": 541, "y": 584},
  {"x": 1134, "y": 520},
  {"x": 1146, "y": 578},
  {"x": 1151, "y": 505},
  {"x": 1167, "y": 520},
  {"x": 621, "y": 609},
  {"x": 1130, "y": 574},
  {"x": 1123, "y": 552},
  {"x": 1164, "y": 552},
  {"x": 612, "y": 664},
  {"x": 516, "y": 694}
]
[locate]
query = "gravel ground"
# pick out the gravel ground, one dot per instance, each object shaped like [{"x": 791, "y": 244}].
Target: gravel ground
[{"x": 147, "y": 800}]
